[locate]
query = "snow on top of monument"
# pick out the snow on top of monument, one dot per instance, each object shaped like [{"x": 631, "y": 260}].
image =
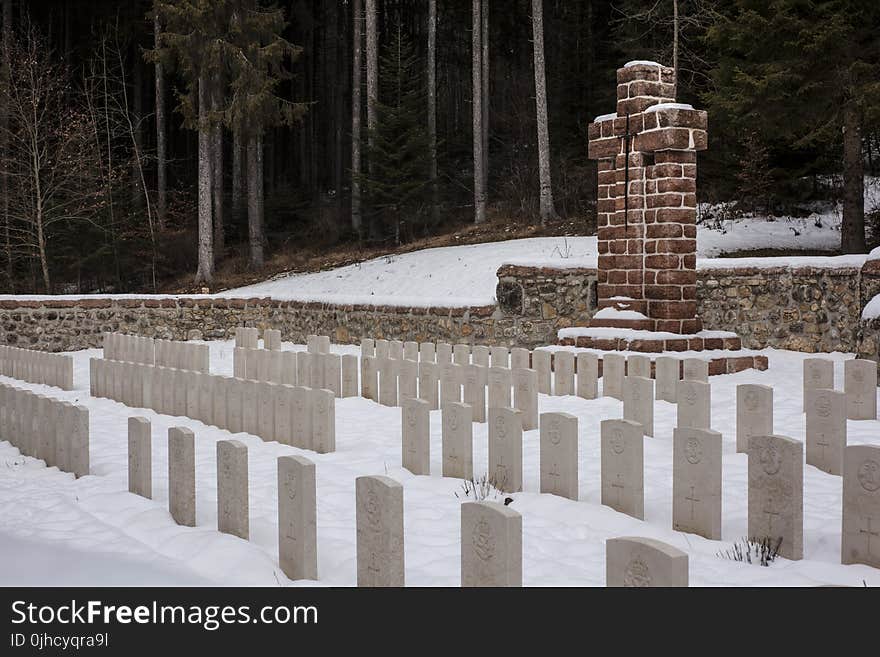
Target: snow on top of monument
[
  {"x": 641, "y": 62},
  {"x": 613, "y": 313},
  {"x": 605, "y": 117},
  {"x": 635, "y": 334},
  {"x": 872, "y": 308},
  {"x": 788, "y": 262},
  {"x": 62, "y": 531},
  {"x": 665, "y": 106}
]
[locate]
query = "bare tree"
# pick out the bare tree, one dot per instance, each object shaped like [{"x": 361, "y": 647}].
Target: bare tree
[
  {"x": 4, "y": 126},
  {"x": 484, "y": 76},
  {"x": 217, "y": 169},
  {"x": 547, "y": 210},
  {"x": 161, "y": 137},
  {"x": 477, "y": 110},
  {"x": 255, "y": 198},
  {"x": 357, "y": 30},
  {"x": 372, "y": 69},
  {"x": 432, "y": 103},
  {"x": 205, "y": 271}
]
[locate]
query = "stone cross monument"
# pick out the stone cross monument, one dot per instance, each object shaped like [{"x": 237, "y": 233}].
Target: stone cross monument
[{"x": 646, "y": 154}]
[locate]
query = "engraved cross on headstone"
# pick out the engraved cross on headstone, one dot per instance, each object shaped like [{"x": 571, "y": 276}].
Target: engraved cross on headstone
[
  {"x": 869, "y": 534},
  {"x": 693, "y": 499}
]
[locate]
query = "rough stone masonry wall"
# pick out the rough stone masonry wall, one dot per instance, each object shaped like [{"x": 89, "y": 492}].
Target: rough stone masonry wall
[{"x": 805, "y": 309}]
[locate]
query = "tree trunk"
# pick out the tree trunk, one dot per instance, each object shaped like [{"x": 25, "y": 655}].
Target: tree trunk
[
  {"x": 852, "y": 228},
  {"x": 237, "y": 175},
  {"x": 547, "y": 211},
  {"x": 4, "y": 117},
  {"x": 255, "y": 198},
  {"x": 161, "y": 165},
  {"x": 675, "y": 25},
  {"x": 484, "y": 75},
  {"x": 137, "y": 111},
  {"x": 217, "y": 175},
  {"x": 432, "y": 105},
  {"x": 372, "y": 70},
  {"x": 477, "y": 110},
  {"x": 205, "y": 272},
  {"x": 357, "y": 19}
]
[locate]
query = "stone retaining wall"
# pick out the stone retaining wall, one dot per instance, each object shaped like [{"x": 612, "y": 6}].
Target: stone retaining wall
[{"x": 805, "y": 308}]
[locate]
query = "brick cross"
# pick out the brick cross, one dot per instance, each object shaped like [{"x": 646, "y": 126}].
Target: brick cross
[{"x": 646, "y": 154}]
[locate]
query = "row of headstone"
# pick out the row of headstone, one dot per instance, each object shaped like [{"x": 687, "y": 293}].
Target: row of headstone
[
  {"x": 859, "y": 385},
  {"x": 164, "y": 353},
  {"x": 52, "y": 430},
  {"x": 318, "y": 344},
  {"x": 304, "y": 368},
  {"x": 247, "y": 337},
  {"x": 291, "y": 415},
  {"x": 37, "y": 367}
]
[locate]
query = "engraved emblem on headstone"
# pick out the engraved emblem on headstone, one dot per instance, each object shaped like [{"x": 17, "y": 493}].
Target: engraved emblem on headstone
[
  {"x": 483, "y": 541},
  {"x": 501, "y": 428},
  {"x": 291, "y": 486},
  {"x": 553, "y": 433},
  {"x": 858, "y": 375},
  {"x": 869, "y": 475},
  {"x": 453, "y": 420},
  {"x": 410, "y": 417},
  {"x": 637, "y": 574},
  {"x": 690, "y": 395},
  {"x": 693, "y": 450},
  {"x": 374, "y": 511},
  {"x": 751, "y": 400},
  {"x": 771, "y": 459},
  {"x": 617, "y": 443},
  {"x": 822, "y": 404}
]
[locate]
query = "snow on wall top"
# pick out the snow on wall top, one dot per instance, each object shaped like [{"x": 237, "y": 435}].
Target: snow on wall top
[
  {"x": 641, "y": 62},
  {"x": 605, "y": 117},
  {"x": 872, "y": 309},
  {"x": 665, "y": 106}
]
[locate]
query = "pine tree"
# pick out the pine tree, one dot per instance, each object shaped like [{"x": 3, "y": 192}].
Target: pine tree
[{"x": 399, "y": 155}]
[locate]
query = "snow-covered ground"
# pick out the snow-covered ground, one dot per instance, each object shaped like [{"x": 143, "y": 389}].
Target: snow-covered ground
[{"x": 55, "y": 530}]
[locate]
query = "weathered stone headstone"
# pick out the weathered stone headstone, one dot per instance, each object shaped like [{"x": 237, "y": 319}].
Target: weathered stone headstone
[
  {"x": 563, "y": 373},
  {"x": 559, "y": 455},
  {"x": 499, "y": 383},
  {"x": 461, "y": 354},
  {"x": 860, "y": 533},
  {"x": 205, "y": 405},
  {"x": 541, "y": 364},
  {"x": 754, "y": 413},
  {"x": 667, "y": 371},
  {"x": 368, "y": 347},
  {"x": 818, "y": 373},
  {"x": 380, "y": 560},
  {"x": 387, "y": 382},
  {"x": 232, "y": 489},
  {"x": 694, "y": 407},
  {"x": 182, "y": 476},
  {"x": 304, "y": 361},
  {"x": 428, "y": 380},
  {"x": 491, "y": 545},
  {"x": 499, "y": 357},
  {"x": 480, "y": 355},
  {"x": 140, "y": 459},
  {"x": 288, "y": 367},
  {"x": 272, "y": 339},
  {"x": 266, "y": 412},
  {"x": 520, "y": 358},
  {"x": 458, "y": 440},
  {"x": 776, "y": 492},
  {"x": 525, "y": 396},
  {"x": 61, "y": 412},
  {"x": 427, "y": 352},
  {"x": 638, "y": 402},
  {"x": 332, "y": 373},
  {"x": 369, "y": 378},
  {"x": 637, "y": 365},
  {"x": 235, "y": 405},
  {"x": 250, "y": 408},
  {"x": 219, "y": 409},
  {"x": 323, "y": 344},
  {"x": 411, "y": 350},
  {"x": 416, "y": 436},
  {"x": 323, "y": 421},
  {"x": 407, "y": 380},
  {"x": 613, "y": 368},
  {"x": 696, "y": 482},
  {"x": 632, "y": 561},
  {"x": 297, "y": 518},
  {"x": 77, "y": 426},
  {"x": 302, "y": 418},
  {"x": 283, "y": 414},
  {"x": 695, "y": 369},
  {"x": 349, "y": 364},
  {"x": 474, "y": 394},
  {"x": 395, "y": 349},
  {"x": 382, "y": 349},
  {"x": 623, "y": 467},
  {"x": 444, "y": 353},
  {"x": 587, "y": 375},
  {"x": 450, "y": 384},
  {"x": 860, "y": 385},
  {"x": 505, "y": 449},
  {"x": 826, "y": 429}
]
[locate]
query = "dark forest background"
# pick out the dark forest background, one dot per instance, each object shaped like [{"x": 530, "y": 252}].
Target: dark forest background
[{"x": 785, "y": 82}]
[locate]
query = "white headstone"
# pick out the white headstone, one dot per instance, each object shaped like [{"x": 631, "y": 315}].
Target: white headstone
[
  {"x": 632, "y": 561},
  {"x": 297, "y": 518},
  {"x": 428, "y": 379},
  {"x": 541, "y": 365},
  {"x": 667, "y": 374},
  {"x": 491, "y": 545},
  {"x": 505, "y": 449},
  {"x": 696, "y": 482},
  {"x": 499, "y": 357},
  {"x": 860, "y": 385},
  {"x": 140, "y": 460},
  {"x": 182, "y": 476},
  {"x": 638, "y": 365},
  {"x": 232, "y": 489},
  {"x": 587, "y": 375},
  {"x": 754, "y": 413},
  {"x": 638, "y": 402},
  {"x": 520, "y": 359},
  {"x": 613, "y": 367},
  {"x": 475, "y": 380},
  {"x": 525, "y": 396},
  {"x": 818, "y": 373},
  {"x": 776, "y": 492},
  {"x": 416, "y": 436},
  {"x": 380, "y": 560},
  {"x": 559, "y": 455},
  {"x": 623, "y": 467},
  {"x": 458, "y": 440},
  {"x": 323, "y": 421},
  {"x": 826, "y": 429},
  {"x": 860, "y": 532},
  {"x": 563, "y": 373},
  {"x": 694, "y": 407}
]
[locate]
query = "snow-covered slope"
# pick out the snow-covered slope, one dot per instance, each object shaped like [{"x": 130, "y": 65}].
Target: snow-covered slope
[{"x": 56, "y": 530}]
